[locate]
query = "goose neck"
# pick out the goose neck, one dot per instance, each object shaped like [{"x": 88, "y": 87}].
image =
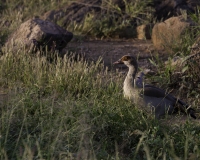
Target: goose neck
[{"x": 132, "y": 72}]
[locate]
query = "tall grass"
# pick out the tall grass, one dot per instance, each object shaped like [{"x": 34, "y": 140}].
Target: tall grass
[{"x": 71, "y": 109}]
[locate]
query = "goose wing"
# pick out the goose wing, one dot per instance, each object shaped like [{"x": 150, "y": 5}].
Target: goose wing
[
  {"x": 155, "y": 92},
  {"x": 139, "y": 80}
]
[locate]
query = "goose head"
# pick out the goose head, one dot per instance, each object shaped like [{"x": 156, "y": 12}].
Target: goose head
[{"x": 128, "y": 61}]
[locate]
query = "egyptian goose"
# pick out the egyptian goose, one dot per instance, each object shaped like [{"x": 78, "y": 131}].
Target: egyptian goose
[{"x": 147, "y": 96}]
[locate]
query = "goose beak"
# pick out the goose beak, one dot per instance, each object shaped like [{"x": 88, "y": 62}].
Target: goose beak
[{"x": 119, "y": 62}]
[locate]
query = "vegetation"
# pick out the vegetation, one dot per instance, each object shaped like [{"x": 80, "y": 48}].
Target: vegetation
[
  {"x": 114, "y": 21},
  {"x": 73, "y": 109},
  {"x": 111, "y": 21}
]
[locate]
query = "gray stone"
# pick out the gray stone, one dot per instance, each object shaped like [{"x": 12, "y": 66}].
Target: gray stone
[
  {"x": 165, "y": 9},
  {"x": 38, "y": 34}
]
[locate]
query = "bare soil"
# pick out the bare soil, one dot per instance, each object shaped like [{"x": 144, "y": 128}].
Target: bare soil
[{"x": 112, "y": 50}]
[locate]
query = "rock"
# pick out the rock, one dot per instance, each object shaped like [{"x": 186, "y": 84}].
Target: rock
[
  {"x": 168, "y": 8},
  {"x": 53, "y": 15},
  {"x": 79, "y": 9},
  {"x": 74, "y": 12},
  {"x": 37, "y": 33},
  {"x": 144, "y": 31},
  {"x": 167, "y": 34}
]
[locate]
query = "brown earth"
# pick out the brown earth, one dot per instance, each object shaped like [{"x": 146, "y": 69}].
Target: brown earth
[{"x": 112, "y": 50}]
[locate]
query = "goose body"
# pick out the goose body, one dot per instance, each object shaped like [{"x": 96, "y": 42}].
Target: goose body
[
  {"x": 139, "y": 80},
  {"x": 149, "y": 97}
]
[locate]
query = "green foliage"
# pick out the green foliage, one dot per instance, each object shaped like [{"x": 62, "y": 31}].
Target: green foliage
[{"x": 70, "y": 109}]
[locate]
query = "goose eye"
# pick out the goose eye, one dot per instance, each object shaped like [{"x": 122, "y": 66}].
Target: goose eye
[{"x": 125, "y": 58}]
